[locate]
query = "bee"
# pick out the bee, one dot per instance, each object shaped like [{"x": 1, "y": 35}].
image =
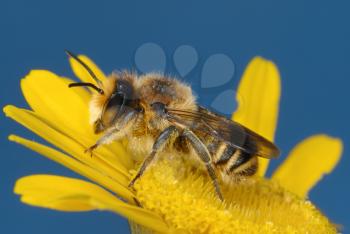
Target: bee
[{"x": 157, "y": 113}]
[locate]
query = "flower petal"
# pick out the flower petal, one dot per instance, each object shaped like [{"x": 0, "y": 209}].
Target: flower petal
[
  {"x": 68, "y": 194},
  {"x": 258, "y": 100},
  {"x": 36, "y": 124},
  {"x": 76, "y": 166},
  {"x": 49, "y": 95},
  {"x": 82, "y": 73},
  {"x": 67, "y": 110},
  {"x": 308, "y": 162}
]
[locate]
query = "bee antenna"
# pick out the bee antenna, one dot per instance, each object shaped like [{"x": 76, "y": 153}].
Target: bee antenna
[
  {"x": 70, "y": 54},
  {"x": 88, "y": 85}
]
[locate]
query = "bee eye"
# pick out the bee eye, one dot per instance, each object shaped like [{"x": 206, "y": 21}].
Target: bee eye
[
  {"x": 124, "y": 88},
  {"x": 116, "y": 100}
]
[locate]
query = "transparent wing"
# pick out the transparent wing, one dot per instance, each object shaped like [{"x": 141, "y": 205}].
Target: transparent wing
[{"x": 232, "y": 133}]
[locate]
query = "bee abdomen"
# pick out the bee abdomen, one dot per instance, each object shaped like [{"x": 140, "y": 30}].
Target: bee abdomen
[
  {"x": 243, "y": 164},
  {"x": 224, "y": 154},
  {"x": 235, "y": 161}
]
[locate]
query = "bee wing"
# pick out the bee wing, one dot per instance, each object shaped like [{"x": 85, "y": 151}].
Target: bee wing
[{"x": 226, "y": 130}]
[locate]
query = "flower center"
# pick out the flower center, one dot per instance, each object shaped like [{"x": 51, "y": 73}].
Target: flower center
[{"x": 184, "y": 196}]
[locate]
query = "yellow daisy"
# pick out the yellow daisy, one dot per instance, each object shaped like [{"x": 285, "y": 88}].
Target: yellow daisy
[{"x": 172, "y": 196}]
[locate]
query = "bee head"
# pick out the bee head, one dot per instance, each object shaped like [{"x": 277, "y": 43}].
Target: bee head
[
  {"x": 114, "y": 98},
  {"x": 117, "y": 101}
]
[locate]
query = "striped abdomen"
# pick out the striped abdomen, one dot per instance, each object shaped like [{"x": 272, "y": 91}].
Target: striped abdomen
[{"x": 232, "y": 161}]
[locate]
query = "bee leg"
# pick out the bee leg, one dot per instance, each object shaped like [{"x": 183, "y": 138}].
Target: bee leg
[
  {"x": 158, "y": 145},
  {"x": 204, "y": 155},
  {"x": 115, "y": 133},
  {"x": 91, "y": 149},
  {"x": 112, "y": 134}
]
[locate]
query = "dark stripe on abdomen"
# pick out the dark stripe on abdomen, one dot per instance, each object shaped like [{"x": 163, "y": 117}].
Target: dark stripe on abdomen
[
  {"x": 249, "y": 168},
  {"x": 226, "y": 155},
  {"x": 241, "y": 159}
]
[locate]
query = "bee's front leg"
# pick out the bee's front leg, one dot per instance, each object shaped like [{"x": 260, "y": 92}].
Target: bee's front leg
[
  {"x": 118, "y": 131},
  {"x": 91, "y": 149},
  {"x": 109, "y": 136}
]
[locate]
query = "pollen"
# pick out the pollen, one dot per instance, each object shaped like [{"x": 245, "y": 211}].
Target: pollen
[{"x": 185, "y": 198}]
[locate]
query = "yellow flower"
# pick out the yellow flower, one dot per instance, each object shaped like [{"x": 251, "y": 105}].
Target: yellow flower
[{"x": 172, "y": 196}]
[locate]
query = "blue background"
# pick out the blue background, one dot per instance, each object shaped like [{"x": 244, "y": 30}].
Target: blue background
[{"x": 309, "y": 41}]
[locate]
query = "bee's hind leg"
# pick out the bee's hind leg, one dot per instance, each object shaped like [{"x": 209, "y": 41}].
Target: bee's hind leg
[
  {"x": 204, "y": 155},
  {"x": 158, "y": 145}
]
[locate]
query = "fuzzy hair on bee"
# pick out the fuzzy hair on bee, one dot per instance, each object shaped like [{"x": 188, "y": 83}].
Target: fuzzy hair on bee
[{"x": 157, "y": 114}]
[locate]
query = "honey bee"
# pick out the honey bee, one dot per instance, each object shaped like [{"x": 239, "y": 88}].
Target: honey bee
[{"x": 157, "y": 113}]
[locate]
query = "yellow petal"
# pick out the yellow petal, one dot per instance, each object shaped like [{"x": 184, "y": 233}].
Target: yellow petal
[
  {"x": 258, "y": 98},
  {"x": 82, "y": 73},
  {"x": 76, "y": 166},
  {"x": 49, "y": 95},
  {"x": 67, "y": 110},
  {"x": 68, "y": 194},
  {"x": 308, "y": 162},
  {"x": 36, "y": 124}
]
